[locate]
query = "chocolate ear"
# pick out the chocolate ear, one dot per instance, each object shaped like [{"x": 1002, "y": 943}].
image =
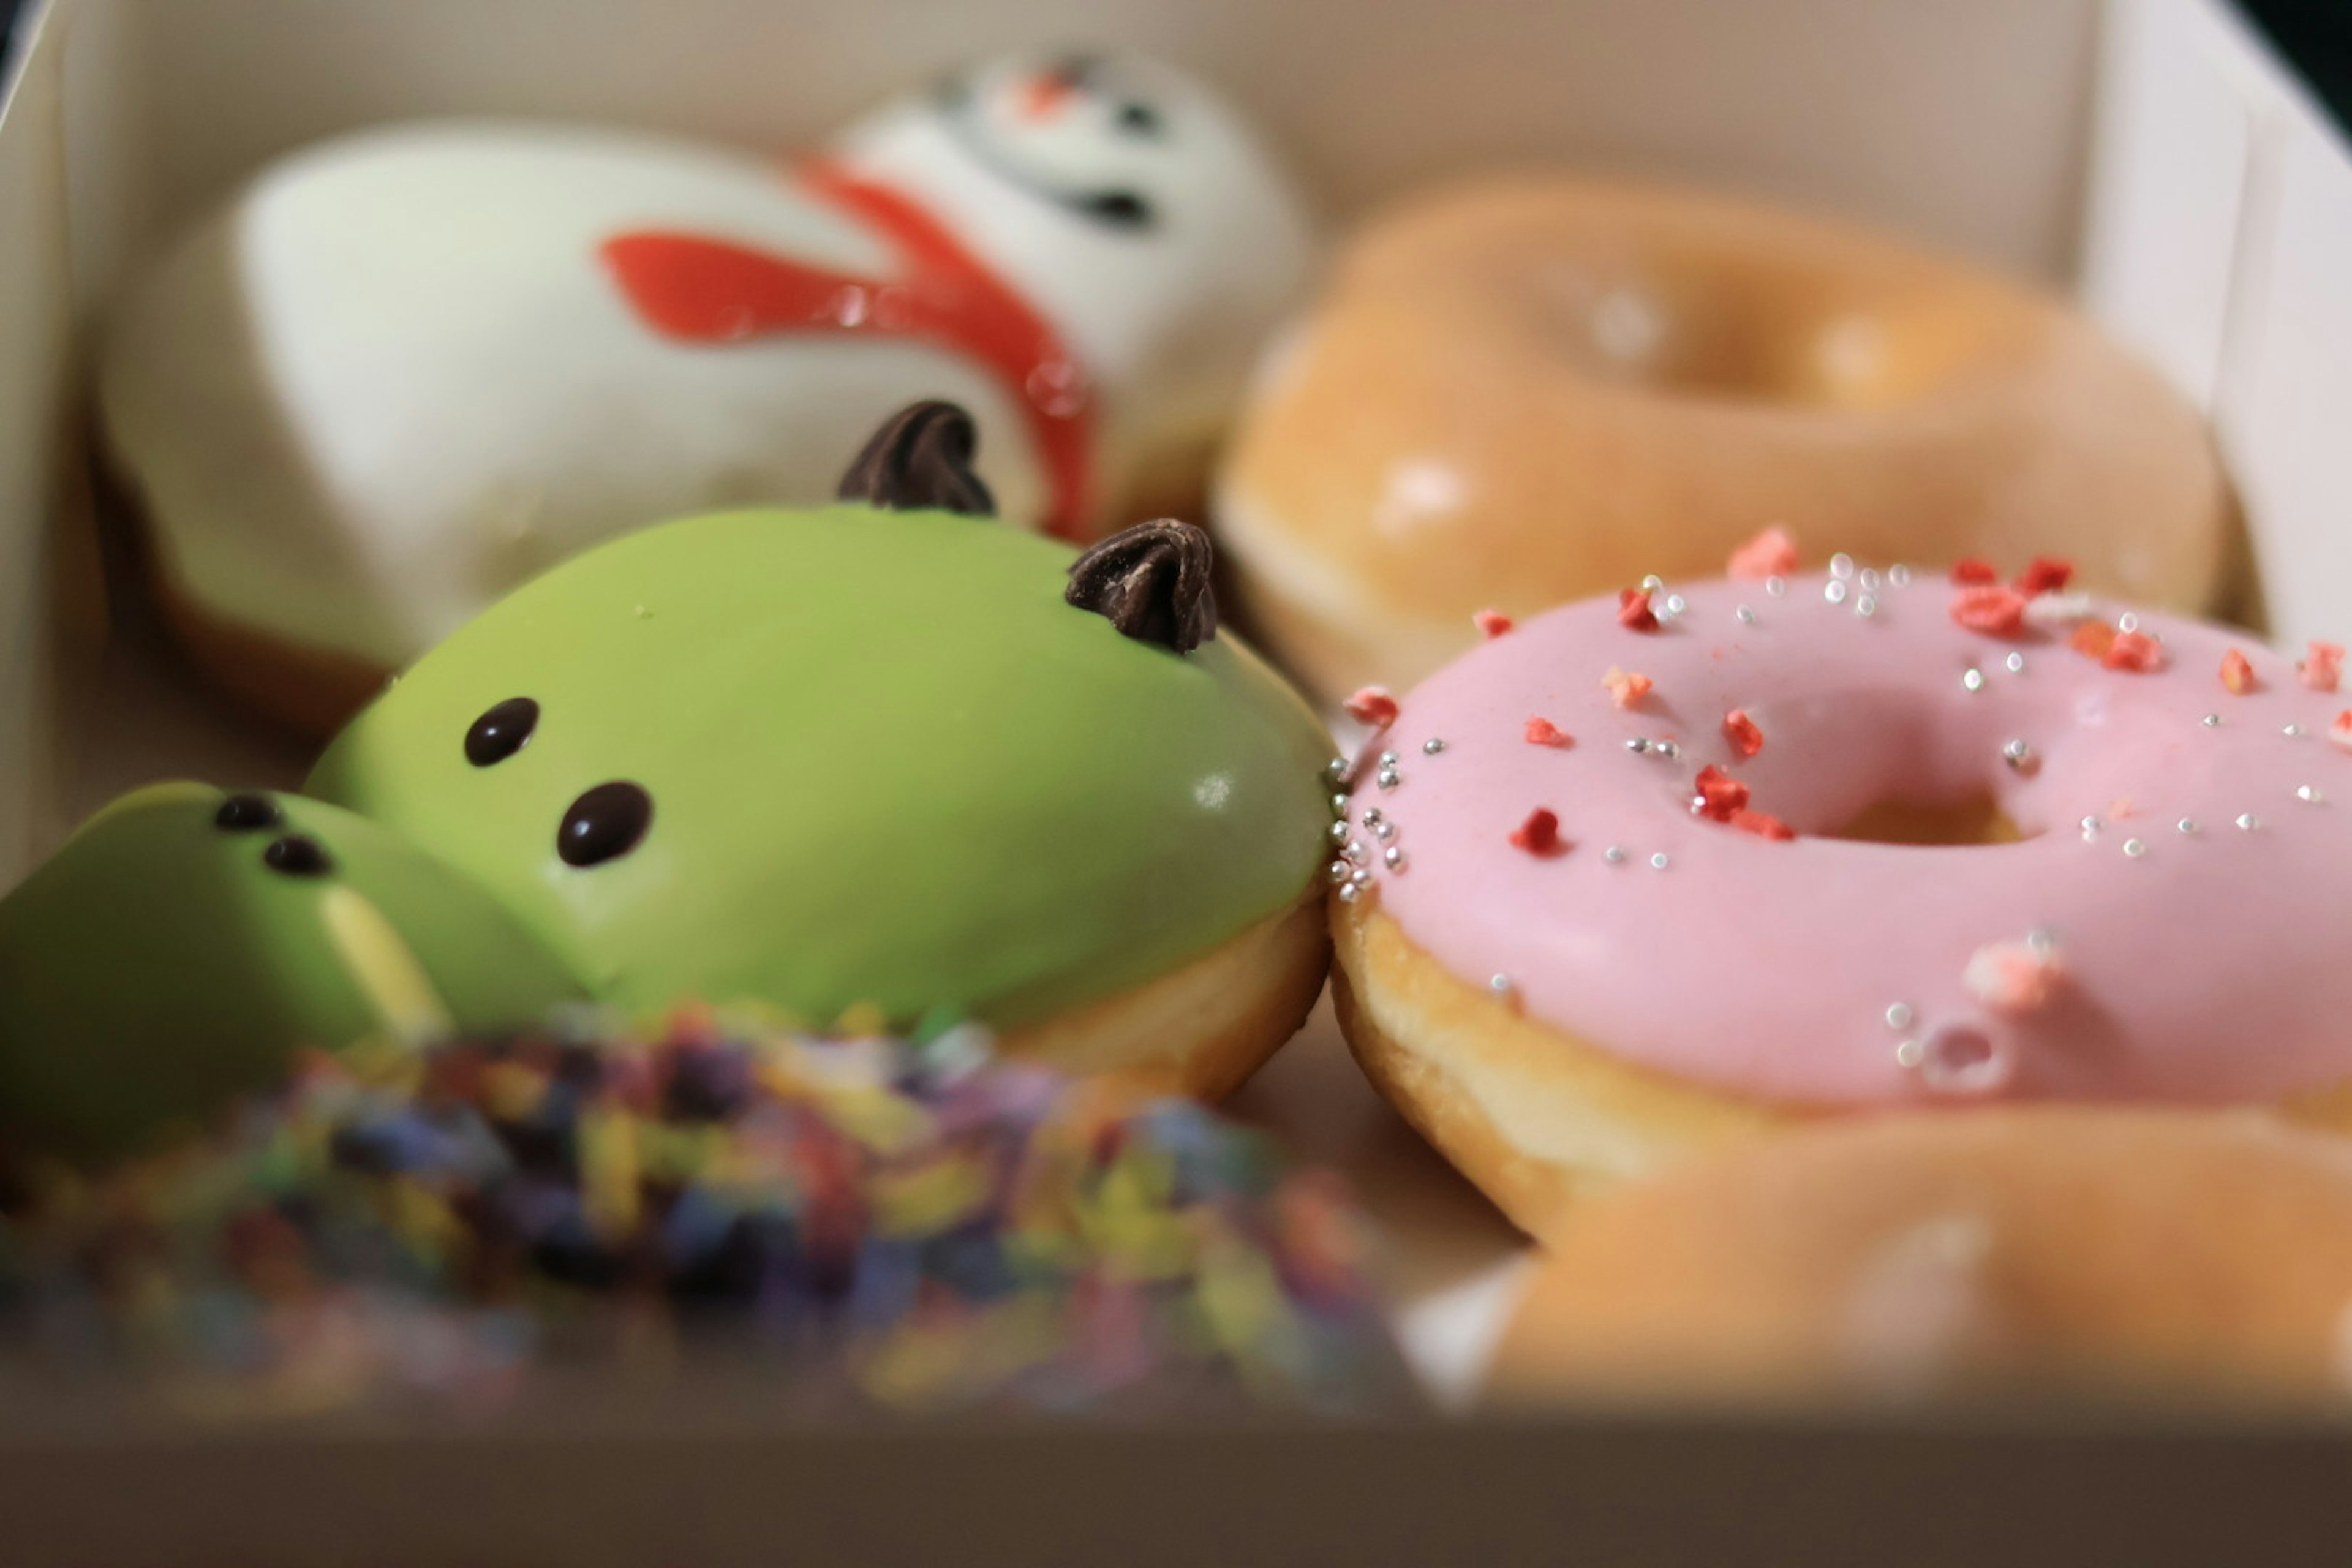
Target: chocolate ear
[
  {"x": 1151, "y": 582},
  {"x": 922, "y": 459}
]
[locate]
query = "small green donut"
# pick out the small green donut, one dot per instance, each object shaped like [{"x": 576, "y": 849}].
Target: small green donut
[
  {"x": 856, "y": 757},
  {"x": 187, "y": 941}
]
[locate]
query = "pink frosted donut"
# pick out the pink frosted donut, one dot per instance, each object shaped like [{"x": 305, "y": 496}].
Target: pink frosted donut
[{"x": 1597, "y": 908}]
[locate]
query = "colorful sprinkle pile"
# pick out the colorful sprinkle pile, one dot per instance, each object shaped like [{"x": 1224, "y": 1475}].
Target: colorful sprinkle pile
[{"x": 907, "y": 1226}]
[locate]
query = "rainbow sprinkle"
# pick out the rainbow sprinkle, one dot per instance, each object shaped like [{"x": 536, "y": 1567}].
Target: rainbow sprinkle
[{"x": 909, "y": 1226}]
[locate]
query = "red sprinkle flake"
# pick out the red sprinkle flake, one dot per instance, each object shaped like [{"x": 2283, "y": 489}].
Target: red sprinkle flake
[
  {"x": 1771, "y": 553},
  {"x": 1720, "y": 797},
  {"x": 1539, "y": 834},
  {"x": 1626, "y": 688},
  {"x": 1633, "y": 611},
  {"x": 1542, "y": 731},
  {"x": 1742, "y": 730},
  {"x": 2136, "y": 652},
  {"x": 2092, "y": 639},
  {"x": 1762, "y": 825},
  {"x": 1973, "y": 572},
  {"x": 1491, "y": 623},
  {"x": 2121, "y": 807},
  {"x": 2322, "y": 667},
  {"x": 2237, "y": 674},
  {"x": 1373, "y": 706},
  {"x": 2047, "y": 575},
  {"x": 1989, "y": 608},
  {"x": 2340, "y": 734}
]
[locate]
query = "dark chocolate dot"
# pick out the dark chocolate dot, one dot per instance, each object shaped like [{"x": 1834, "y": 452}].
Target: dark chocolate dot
[
  {"x": 1119, "y": 209},
  {"x": 1139, "y": 119},
  {"x": 245, "y": 813},
  {"x": 297, "y": 855},
  {"x": 502, "y": 731},
  {"x": 604, "y": 823}
]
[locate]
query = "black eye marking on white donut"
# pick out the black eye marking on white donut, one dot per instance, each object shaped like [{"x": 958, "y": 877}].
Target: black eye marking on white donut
[
  {"x": 247, "y": 811},
  {"x": 297, "y": 855},
  {"x": 605, "y": 823},
  {"x": 501, "y": 731},
  {"x": 1137, "y": 118},
  {"x": 1111, "y": 206}
]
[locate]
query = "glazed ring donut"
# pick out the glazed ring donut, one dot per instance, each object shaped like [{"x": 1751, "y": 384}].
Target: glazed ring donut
[
  {"x": 1527, "y": 391},
  {"x": 1614, "y": 893},
  {"x": 2029, "y": 1250}
]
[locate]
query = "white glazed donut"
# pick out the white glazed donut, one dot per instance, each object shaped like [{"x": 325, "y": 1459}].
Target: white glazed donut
[{"x": 408, "y": 369}]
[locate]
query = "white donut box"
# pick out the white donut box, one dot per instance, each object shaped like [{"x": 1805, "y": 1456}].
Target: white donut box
[{"x": 2152, "y": 154}]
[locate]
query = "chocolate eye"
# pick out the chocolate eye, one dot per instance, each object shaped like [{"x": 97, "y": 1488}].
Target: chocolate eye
[
  {"x": 604, "y": 823},
  {"x": 245, "y": 813},
  {"x": 1120, "y": 209},
  {"x": 1139, "y": 119},
  {"x": 502, "y": 731},
  {"x": 297, "y": 855}
]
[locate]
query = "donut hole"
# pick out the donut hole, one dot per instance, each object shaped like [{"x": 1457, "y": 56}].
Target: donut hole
[
  {"x": 1744, "y": 329},
  {"x": 1976, "y": 820}
]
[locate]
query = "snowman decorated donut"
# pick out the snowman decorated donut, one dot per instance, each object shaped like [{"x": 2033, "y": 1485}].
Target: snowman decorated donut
[{"x": 404, "y": 371}]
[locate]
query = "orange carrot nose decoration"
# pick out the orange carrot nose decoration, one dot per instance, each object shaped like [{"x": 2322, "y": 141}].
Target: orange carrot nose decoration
[{"x": 1045, "y": 95}]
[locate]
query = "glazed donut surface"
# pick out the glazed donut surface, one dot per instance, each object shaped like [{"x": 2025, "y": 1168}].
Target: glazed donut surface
[{"x": 1524, "y": 391}]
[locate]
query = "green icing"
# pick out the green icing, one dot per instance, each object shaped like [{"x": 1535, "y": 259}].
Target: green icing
[
  {"x": 156, "y": 967},
  {"x": 889, "y": 765}
]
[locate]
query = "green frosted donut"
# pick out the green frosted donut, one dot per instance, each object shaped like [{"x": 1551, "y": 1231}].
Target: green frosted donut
[
  {"x": 850, "y": 756},
  {"x": 188, "y": 940}
]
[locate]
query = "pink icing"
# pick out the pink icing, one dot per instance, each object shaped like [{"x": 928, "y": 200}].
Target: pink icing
[{"x": 2205, "y": 967}]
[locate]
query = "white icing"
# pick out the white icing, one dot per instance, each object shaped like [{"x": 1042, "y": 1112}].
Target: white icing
[{"x": 393, "y": 379}]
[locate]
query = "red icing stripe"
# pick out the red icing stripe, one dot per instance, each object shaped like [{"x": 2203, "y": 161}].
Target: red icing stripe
[{"x": 703, "y": 291}]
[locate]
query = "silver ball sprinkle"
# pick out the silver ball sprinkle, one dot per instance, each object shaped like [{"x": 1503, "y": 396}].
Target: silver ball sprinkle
[
  {"x": 2135, "y": 847},
  {"x": 1360, "y": 878},
  {"x": 1614, "y": 854},
  {"x": 2308, "y": 793},
  {"x": 1746, "y": 616},
  {"x": 1972, "y": 681},
  {"x": 1776, "y": 586},
  {"x": 1867, "y": 606},
  {"x": 1501, "y": 986},
  {"x": 1388, "y": 759},
  {"x": 2186, "y": 825},
  {"x": 2127, "y": 622},
  {"x": 2293, "y": 732},
  {"x": 2042, "y": 940},
  {"x": 1841, "y": 565},
  {"x": 1899, "y": 1015},
  {"x": 1386, "y": 778},
  {"x": 1899, "y": 575},
  {"x": 1910, "y": 1054},
  {"x": 1658, "y": 862},
  {"x": 1638, "y": 744},
  {"x": 1666, "y": 748},
  {"x": 1338, "y": 832},
  {"x": 1431, "y": 746},
  {"x": 1338, "y": 870},
  {"x": 2248, "y": 822},
  {"x": 1652, "y": 583},
  {"x": 1869, "y": 581},
  {"x": 1677, "y": 603},
  {"x": 1354, "y": 850},
  {"x": 1336, "y": 770},
  {"x": 2014, "y": 664},
  {"x": 1834, "y": 591},
  {"x": 1384, "y": 831},
  {"x": 2091, "y": 825},
  {"x": 2020, "y": 758},
  {"x": 1349, "y": 892},
  {"x": 1373, "y": 817},
  {"x": 2211, "y": 720},
  {"x": 1340, "y": 805},
  {"x": 1392, "y": 857}
]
